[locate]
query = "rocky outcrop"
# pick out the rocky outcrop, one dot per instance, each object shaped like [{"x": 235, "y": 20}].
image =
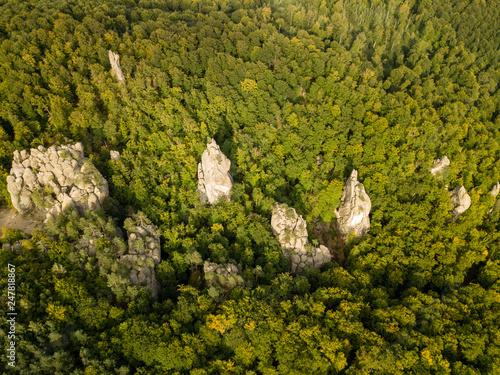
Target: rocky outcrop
[
  {"x": 291, "y": 231},
  {"x": 353, "y": 213},
  {"x": 53, "y": 179},
  {"x": 495, "y": 190},
  {"x": 144, "y": 252},
  {"x": 114, "y": 60},
  {"x": 114, "y": 155},
  {"x": 439, "y": 165},
  {"x": 460, "y": 201},
  {"x": 214, "y": 181}
]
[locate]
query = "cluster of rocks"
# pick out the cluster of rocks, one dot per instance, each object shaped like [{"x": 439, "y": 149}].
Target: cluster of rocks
[
  {"x": 460, "y": 200},
  {"x": 291, "y": 232},
  {"x": 214, "y": 180},
  {"x": 15, "y": 247},
  {"x": 353, "y": 218},
  {"x": 144, "y": 252},
  {"x": 114, "y": 60},
  {"x": 53, "y": 179}
]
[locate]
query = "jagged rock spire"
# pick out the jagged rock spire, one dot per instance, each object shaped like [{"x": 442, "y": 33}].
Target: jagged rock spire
[
  {"x": 353, "y": 213},
  {"x": 214, "y": 181}
]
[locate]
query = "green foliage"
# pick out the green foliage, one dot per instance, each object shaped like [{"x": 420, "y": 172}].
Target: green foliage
[{"x": 297, "y": 94}]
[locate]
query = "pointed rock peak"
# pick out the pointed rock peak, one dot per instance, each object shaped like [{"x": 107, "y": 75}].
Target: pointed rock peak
[
  {"x": 460, "y": 200},
  {"x": 214, "y": 180},
  {"x": 114, "y": 60},
  {"x": 291, "y": 232},
  {"x": 439, "y": 165},
  {"x": 353, "y": 212}
]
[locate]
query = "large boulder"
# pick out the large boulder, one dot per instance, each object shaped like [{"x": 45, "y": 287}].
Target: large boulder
[
  {"x": 460, "y": 201},
  {"x": 55, "y": 178},
  {"x": 353, "y": 213},
  {"x": 214, "y": 181},
  {"x": 291, "y": 231},
  {"x": 114, "y": 60},
  {"x": 439, "y": 165}
]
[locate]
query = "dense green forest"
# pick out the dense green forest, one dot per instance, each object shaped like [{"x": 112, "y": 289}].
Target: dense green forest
[{"x": 297, "y": 94}]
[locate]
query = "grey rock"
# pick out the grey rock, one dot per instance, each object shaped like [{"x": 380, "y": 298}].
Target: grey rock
[
  {"x": 496, "y": 189},
  {"x": 291, "y": 232},
  {"x": 214, "y": 181},
  {"x": 59, "y": 168},
  {"x": 353, "y": 213},
  {"x": 460, "y": 201},
  {"x": 114, "y": 155},
  {"x": 114, "y": 60},
  {"x": 439, "y": 165},
  {"x": 140, "y": 258}
]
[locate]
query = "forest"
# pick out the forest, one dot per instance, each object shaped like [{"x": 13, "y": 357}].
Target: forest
[{"x": 297, "y": 94}]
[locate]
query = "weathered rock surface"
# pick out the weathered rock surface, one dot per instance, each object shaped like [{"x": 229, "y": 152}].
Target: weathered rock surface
[
  {"x": 114, "y": 60},
  {"x": 291, "y": 231},
  {"x": 221, "y": 274},
  {"x": 53, "y": 179},
  {"x": 214, "y": 181},
  {"x": 439, "y": 165},
  {"x": 460, "y": 200},
  {"x": 144, "y": 252},
  {"x": 114, "y": 155},
  {"x": 496, "y": 189},
  {"x": 353, "y": 212}
]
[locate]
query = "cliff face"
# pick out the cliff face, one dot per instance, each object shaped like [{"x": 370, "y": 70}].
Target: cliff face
[
  {"x": 290, "y": 229},
  {"x": 53, "y": 179},
  {"x": 214, "y": 181},
  {"x": 353, "y": 212}
]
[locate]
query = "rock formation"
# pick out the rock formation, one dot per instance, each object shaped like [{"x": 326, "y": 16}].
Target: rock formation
[
  {"x": 439, "y": 165},
  {"x": 460, "y": 200},
  {"x": 114, "y": 60},
  {"x": 495, "y": 190},
  {"x": 214, "y": 181},
  {"x": 220, "y": 274},
  {"x": 291, "y": 231},
  {"x": 114, "y": 155},
  {"x": 353, "y": 212},
  {"x": 53, "y": 179},
  {"x": 144, "y": 252}
]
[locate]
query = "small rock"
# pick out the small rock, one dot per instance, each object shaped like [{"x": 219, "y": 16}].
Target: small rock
[
  {"x": 496, "y": 189},
  {"x": 114, "y": 155},
  {"x": 439, "y": 165}
]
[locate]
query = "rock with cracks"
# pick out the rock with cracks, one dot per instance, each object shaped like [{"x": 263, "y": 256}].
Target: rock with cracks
[
  {"x": 144, "y": 252},
  {"x": 291, "y": 231},
  {"x": 460, "y": 200},
  {"x": 353, "y": 213},
  {"x": 214, "y": 181},
  {"x": 55, "y": 178},
  {"x": 114, "y": 60}
]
